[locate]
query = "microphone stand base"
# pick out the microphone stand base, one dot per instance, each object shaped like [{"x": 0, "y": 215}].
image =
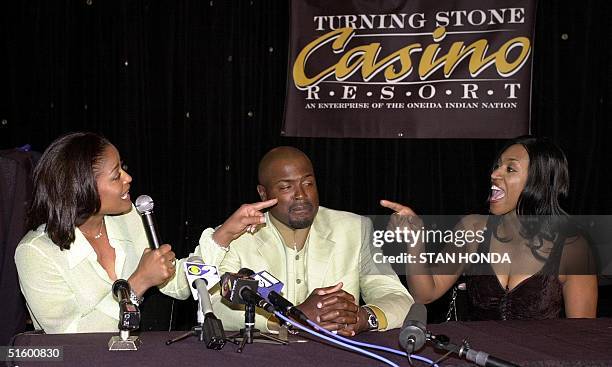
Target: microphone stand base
[
  {"x": 195, "y": 331},
  {"x": 117, "y": 343},
  {"x": 212, "y": 341},
  {"x": 245, "y": 336}
]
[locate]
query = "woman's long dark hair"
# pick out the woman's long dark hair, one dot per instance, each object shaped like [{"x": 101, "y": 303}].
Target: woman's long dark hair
[
  {"x": 538, "y": 207},
  {"x": 65, "y": 191}
]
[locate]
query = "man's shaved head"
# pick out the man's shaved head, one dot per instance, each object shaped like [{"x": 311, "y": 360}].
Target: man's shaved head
[
  {"x": 286, "y": 173},
  {"x": 284, "y": 153}
]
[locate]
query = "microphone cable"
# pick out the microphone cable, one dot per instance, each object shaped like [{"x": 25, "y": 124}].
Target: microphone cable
[
  {"x": 334, "y": 341},
  {"x": 372, "y": 346}
]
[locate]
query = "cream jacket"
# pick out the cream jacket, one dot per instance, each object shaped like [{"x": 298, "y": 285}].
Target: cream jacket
[{"x": 337, "y": 251}]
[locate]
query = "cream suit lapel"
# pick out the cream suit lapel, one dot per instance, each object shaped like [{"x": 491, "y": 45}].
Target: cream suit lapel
[
  {"x": 320, "y": 253},
  {"x": 270, "y": 248}
]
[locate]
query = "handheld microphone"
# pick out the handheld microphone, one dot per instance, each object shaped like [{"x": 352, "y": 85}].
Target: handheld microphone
[
  {"x": 144, "y": 205},
  {"x": 202, "y": 277},
  {"x": 129, "y": 314},
  {"x": 413, "y": 334},
  {"x": 239, "y": 288}
]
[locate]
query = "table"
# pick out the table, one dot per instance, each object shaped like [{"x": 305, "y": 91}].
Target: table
[{"x": 566, "y": 342}]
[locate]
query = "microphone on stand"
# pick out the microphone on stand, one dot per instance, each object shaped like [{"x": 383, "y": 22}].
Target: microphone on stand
[
  {"x": 267, "y": 283},
  {"x": 270, "y": 288},
  {"x": 414, "y": 334},
  {"x": 144, "y": 205},
  {"x": 240, "y": 288},
  {"x": 129, "y": 318},
  {"x": 414, "y": 330},
  {"x": 201, "y": 278},
  {"x": 286, "y": 307},
  {"x": 129, "y": 315}
]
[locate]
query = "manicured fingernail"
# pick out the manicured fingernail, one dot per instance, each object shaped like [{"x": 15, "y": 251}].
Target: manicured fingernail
[
  {"x": 318, "y": 319},
  {"x": 319, "y": 305}
]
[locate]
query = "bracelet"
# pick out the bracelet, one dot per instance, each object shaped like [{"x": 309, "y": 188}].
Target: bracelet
[{"x": 135, "y": 299}]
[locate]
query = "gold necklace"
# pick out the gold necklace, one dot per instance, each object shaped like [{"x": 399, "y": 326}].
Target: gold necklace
[{"x": 99, "y": 235}]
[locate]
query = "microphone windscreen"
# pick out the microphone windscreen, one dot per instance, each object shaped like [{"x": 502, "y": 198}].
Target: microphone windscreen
[
  {"x": 418, "y": 313},
  {"x": 246, "y": 272},
  {"x": 195, "y": 259},
  {"x": 412, "y": 336},
  {"x": 118, "y": 285},
  {"x": 144, "y": 204}
]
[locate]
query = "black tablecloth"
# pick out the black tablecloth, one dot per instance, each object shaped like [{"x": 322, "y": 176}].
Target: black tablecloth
[{"x": 528, "y": 343}]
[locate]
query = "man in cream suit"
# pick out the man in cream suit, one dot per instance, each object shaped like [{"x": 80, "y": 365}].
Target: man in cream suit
[{"x": 321, "y": 255}]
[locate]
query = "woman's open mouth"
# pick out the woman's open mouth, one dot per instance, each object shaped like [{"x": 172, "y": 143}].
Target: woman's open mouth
[{"x": 496, "y": 194}]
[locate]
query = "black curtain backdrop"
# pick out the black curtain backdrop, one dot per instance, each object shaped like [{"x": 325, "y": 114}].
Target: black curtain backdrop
[{"x": 192, "y": 92}]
